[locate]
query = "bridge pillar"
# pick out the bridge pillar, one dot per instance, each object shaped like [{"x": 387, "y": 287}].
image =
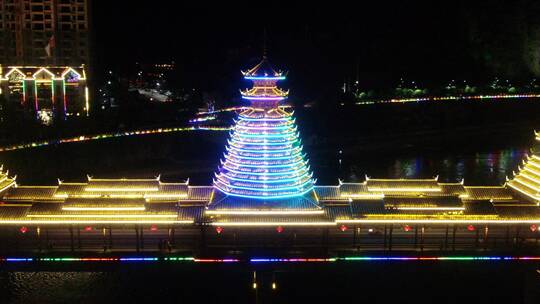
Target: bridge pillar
[
  {"x": 446, "y": 238},
  {"x": 486, "y": 231},
  {"x": 137, "y": 247},
  {"x": 422, "y": 239},
  {"x": 384, "y": 238},
  {"x": 71, "y": 241},
  {"x": 454, "y": 229},
  {"x": 415, "y": 236},
  {"x": 390, "y": 237}
]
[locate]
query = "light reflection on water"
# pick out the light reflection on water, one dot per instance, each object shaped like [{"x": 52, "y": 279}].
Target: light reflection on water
[
  {"x": 480, "y": 168},
  {"x": 51, "y": 287},
  {"x": 151, "y": 285}
]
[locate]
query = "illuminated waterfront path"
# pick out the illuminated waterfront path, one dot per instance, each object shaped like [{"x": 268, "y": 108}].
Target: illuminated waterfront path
[{"x": 86, "y": 138}]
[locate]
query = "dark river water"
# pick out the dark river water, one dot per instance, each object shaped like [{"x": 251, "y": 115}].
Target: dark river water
[
  {"x": 196, "y": 155},
  {"x": 371, "y": 282}
]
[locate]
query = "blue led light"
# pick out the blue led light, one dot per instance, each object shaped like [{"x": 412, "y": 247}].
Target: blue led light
[
  {"x": 303, "y": 169},
  {"x": 19, "y": 259},
  {"x": 264, "y": 157},
  {"x": 265, "y": 77},
  {"x": 266, "y": 98},
  {"x": 285, "y": 180}
]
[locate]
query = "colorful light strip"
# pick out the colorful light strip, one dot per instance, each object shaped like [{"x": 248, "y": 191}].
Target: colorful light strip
[
  {"x": 263, "y": 212},
  {"x": 264, "y": 78},
  {"x": 293, "y": 260},
  {"x": 264, "y": 159},
  {"x": 268, "y": 98},
  {"x": 84, "y": 138},
  {"x": 447, "y": 98},
  {"x": 257, "y": 260}
]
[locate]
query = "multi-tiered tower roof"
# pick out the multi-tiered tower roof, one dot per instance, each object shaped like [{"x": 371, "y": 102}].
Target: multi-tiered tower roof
[{"x": 264, "y": 158}]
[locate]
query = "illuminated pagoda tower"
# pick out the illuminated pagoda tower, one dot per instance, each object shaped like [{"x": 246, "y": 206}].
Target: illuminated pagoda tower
[{"x": 264, "y": 166}]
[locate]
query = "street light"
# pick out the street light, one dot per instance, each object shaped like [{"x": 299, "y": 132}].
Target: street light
[{"x": 254, "y": 280}]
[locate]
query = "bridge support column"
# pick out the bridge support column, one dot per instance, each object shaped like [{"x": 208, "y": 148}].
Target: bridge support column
[
  {"x": 454, "y": 229},
  {"x": 486, "y": 231},
  {"x": 141, "y": 237},
  {"x": 110, "y": 238},
  {"x": 446, "y": 238},
  {"x": 79, "y": 244},
  {"x": 105, "y": 241},
  {"x": 415, "y": 236},
  {"x": 71, "y": 241},
  {"x": 385, "y": 237},
  {"x": 476, "y": 238},
  {"x": 38, "y": 232},
  {"x": 422, "y": 239},
  {"x": 390, "y": 237},
  {"x": 517, "y": 242},
  {"x": 137, "y": 247}
]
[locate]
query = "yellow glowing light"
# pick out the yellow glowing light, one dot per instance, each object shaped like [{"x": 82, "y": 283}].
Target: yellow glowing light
[
  {"x": 532, "y": 163},
  {"x": 532, "y": 171},
  {"x": 532, "y": 179},
  {"x": 106, "y": 215},
  {"x": 533, "y": 196},
  {"x": 7, "y": 187},
  {"x": 432, "y": 208},
  {"x": 87, "y": 100},
  {"x": 43, "y": 70},
  {"x": 420, "y": 221},
  {"x": 262, "y": 224},
  {"x": 263, "y": 212},
  {"x": 103, "y": 208},
  {"x": 56, "y": 222},
  {"x": 165, "y": 195},
  {"x": 13, "y": 70},
  {"x": 96, "y": 189},
  {"x": 363, "y": 196},
  {"x": 404, "y": 189},
  {"x": 526, "y": 184}
]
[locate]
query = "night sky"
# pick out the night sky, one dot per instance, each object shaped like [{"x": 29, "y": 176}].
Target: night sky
[{"x": 321, "y": 47}]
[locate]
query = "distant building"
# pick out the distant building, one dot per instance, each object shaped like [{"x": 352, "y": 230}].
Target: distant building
[
  {"x": 44, "y": 55},
  {"x": 44, "y": 32},
  {"x": 46, "y": 90}
]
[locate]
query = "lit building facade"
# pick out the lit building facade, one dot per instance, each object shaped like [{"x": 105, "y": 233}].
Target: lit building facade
[
  {"x": 58, "y": 90},
  {"x": 44, "y": 55}
]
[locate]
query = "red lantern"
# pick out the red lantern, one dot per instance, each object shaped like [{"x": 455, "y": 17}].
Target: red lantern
[
  {"x": 153, "y": 228},
  {"x": 23, "y": 229},
  {"x": 407, "y": 228},
  {"x": 343, "y": 228},
  {"x": 279, "y": 229},
  {"x": 88, "y": 228},
  {"x": 533, "y": 227},
  {"x": 470, "y": 228},
  {"x": 219, "y": 230}
]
